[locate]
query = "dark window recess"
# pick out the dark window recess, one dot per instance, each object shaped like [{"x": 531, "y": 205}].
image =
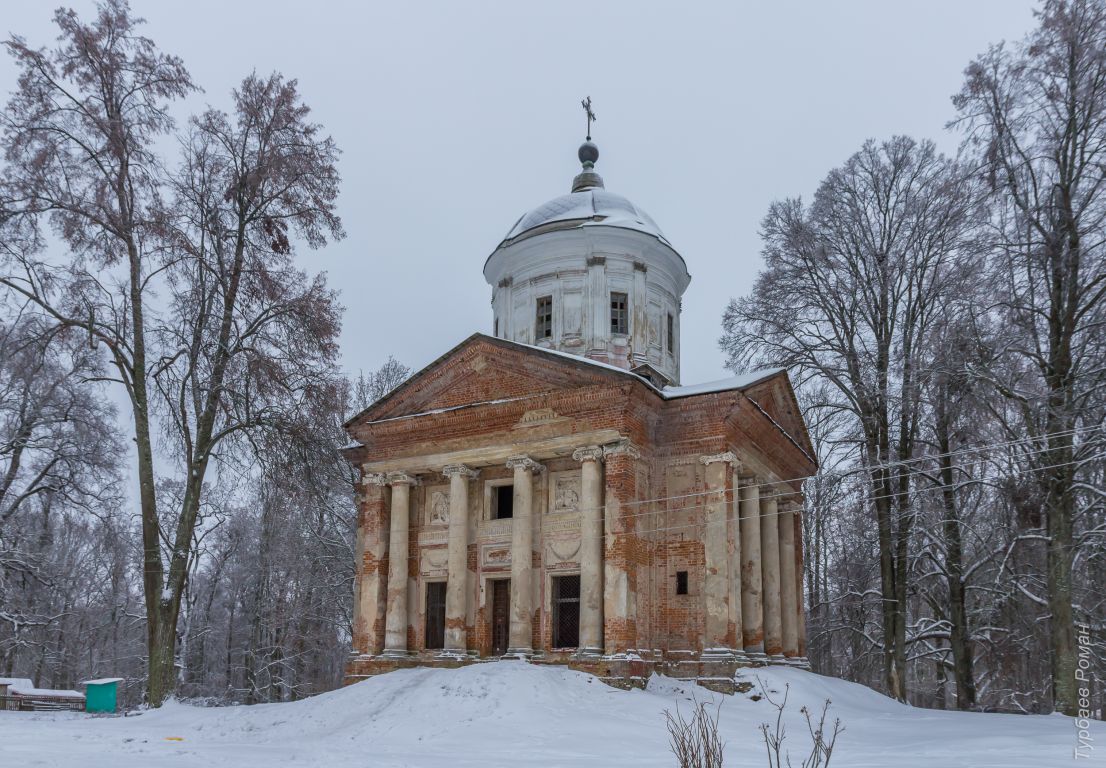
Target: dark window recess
[
  {"x": 681, "y": 582},
  {"x": 501, "y": 601},
  {"x": 544, "y": 324},
  {"x": 566, "y": 611},
  {"x": 495, "y": 331},
  {"x": 503, "y": 502},
  {"x": 435, "y": 614},
  {"x": 671, "y": 334},
  {"x": 620, "y": 321}
]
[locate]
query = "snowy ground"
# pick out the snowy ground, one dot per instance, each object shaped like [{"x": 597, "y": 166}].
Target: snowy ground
[{"x": 515, "y": 714}]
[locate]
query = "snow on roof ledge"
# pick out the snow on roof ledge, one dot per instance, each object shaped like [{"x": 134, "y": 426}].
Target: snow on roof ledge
[
  {"x": 668, "y": 393},
  {"x": 102, "y": 681},
  {"x": 721, "y": 385}
]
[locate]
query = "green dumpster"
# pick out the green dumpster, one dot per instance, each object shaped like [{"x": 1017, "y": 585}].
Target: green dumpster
[{"x": 101, "y": 695}]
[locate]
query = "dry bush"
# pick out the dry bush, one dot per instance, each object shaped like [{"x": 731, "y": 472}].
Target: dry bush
[
  {"x": 694, "y": 740},
  {"x": 821, "y": 749}
]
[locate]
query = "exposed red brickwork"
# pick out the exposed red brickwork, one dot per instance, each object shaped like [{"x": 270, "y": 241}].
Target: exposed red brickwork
[{"x": 476, "y": 397}]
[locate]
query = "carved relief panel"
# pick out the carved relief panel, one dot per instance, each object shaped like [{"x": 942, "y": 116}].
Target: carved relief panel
[
  {"x": 564, "y": 491},
  {"x": 436, "y": 505}
]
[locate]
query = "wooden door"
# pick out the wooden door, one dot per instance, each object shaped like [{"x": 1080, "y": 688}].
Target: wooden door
[
  {"x": 501, "y": 628},
  {"x": 435, "y": 614}
]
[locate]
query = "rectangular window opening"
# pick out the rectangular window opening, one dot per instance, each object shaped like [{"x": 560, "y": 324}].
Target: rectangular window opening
[
  {"x": 671, "y": 334},
  {"x": 620, "y": 321},
  {"x": 503, "y": 502},
  {"x": 544, "y": 321},
  {"x": 435, "y": 614},
  {"x": 681, "y": 582},
  {"x": 566, "y": 611}
]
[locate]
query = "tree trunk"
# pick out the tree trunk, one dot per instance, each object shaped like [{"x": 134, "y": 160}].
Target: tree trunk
[{"x": 960, "y": 634}]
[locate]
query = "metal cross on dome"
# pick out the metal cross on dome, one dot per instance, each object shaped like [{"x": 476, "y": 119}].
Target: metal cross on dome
[{"x": 586, "y": 104}]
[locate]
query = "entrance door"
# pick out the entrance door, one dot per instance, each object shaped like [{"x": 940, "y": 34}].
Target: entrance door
[
  {"x": 501, "y": 602},
  {"x": 435, "y": 614}
]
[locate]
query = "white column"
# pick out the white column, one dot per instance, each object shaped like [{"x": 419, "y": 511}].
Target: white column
[
  {"x": 716, "y": 571},
  {"x": 457, "y": 587},
  {"x": 789, "y": 606},
  {"x": 395, "y": 631},
  {"x": 522, "y": 556},
  {"x": 752, "y": 614},
  {"x": 734, "y": 553},
  {"x": 591, "y": 549},
  {"x": 770, "y": 562}
]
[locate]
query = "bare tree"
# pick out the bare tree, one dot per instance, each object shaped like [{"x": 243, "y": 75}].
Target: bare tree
[
  {"x": 58, "y": 490},
  {"x": 237, "y": 338},
  {"x": 368, "y": 389},
  {"x": 848, "y": 293},
  {"x": 57, "y": 434},
  {"x": 1035, "y": 117}
]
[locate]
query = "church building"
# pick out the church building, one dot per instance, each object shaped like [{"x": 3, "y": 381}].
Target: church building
[{"x": 551, "y": 491}]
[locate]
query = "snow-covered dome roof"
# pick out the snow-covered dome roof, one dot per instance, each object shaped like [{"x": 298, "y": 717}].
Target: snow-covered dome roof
[{"x": 588, "y": 206}]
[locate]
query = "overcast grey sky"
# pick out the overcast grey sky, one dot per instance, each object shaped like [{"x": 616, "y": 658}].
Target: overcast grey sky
[{"x": 455, "y": 118}]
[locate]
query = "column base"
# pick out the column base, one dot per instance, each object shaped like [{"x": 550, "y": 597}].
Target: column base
[
  {"x": 518, "y": 653},
  {"x": 455, "y": 654},
  {"x": 588, "y": 653},
  {"x": 777, "y": 658},
  {"x": 756, "y": 656},
  {"x": 720, "y": 653},
  {"x": 395, "y": 653}
]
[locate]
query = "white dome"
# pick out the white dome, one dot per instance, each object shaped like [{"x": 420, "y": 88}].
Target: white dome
[
  {"x": 595, "y": 206},
  {"x": 591, "y": 274}
]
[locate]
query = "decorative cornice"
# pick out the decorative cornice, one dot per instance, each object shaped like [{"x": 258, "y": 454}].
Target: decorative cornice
[
  {"x": 524, "y": 462},
  {"x": 588, "y": 453},
  {"x": 374, "y": 478},
  {"x": 623, "y": 446},
  {"x": 728, "y": 456},
  {"x": 460, "y": 470},
  {"x": 402, "y": 478}
]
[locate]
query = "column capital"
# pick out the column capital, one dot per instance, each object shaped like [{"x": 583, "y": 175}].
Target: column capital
[
  {"x": 401, "y": 478},
  {"x": 588, "y": 453},
  {"x": 374, "y": 478},
  {"x": 524, "y": 462},
  {"x": 622, "y": 446},
  {"x": 728, "y": 456},
  {"x": 460, "y": 470}
]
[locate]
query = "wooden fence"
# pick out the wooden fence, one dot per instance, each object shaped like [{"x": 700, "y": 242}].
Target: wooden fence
[{"x": 41, "y": 704}]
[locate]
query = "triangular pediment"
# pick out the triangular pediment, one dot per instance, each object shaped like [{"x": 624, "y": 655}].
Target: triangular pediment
[
  {"x": 484, "y": 369},
  {"x": 776, "y": 397}
]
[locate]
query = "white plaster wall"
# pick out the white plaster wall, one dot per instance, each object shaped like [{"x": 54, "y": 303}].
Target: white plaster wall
[{"x": 580, "y": 267}]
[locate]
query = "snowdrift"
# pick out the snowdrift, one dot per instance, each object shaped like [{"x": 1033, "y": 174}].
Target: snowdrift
[{"x": 515, "y": 714}]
